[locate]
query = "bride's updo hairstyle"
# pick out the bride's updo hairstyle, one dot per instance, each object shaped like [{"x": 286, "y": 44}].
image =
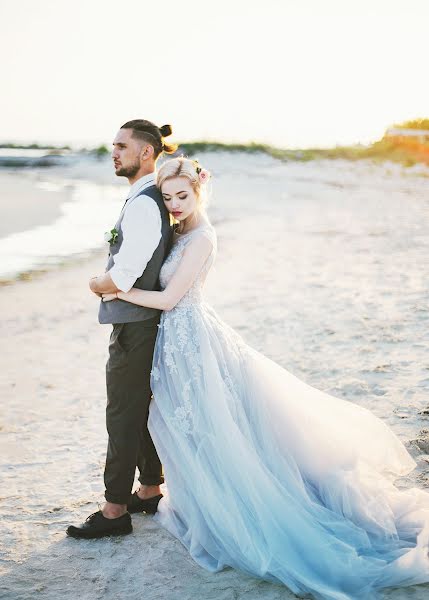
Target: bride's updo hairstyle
[
  {"x": 191, "y": 169},
  {"x": 151, "y": 134}
]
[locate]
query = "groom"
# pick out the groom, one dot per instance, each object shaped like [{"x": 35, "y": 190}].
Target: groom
[{"x": 138, "y": 246}]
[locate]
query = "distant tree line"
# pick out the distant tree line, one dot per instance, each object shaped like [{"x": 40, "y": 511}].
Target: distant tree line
[
  {"x": 406, "y": 152},
  {"x": 33, "y": 146}
]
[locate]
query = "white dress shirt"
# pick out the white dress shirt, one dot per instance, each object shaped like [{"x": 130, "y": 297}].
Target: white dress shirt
[{"x": 141, "y": 229}]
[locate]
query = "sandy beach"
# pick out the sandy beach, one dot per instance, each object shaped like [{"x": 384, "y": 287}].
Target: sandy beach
[{"x": 322, "y": 266}]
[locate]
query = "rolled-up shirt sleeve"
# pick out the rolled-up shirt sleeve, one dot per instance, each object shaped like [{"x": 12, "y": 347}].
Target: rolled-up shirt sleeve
[{"x": 141, "y": 229}]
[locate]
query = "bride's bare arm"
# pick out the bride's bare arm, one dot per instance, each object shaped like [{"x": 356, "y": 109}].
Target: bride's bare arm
[{"x": 193, "y": 259}]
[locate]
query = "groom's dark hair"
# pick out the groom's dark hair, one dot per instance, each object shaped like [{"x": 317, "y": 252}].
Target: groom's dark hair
[{"x": 148, "y": 132}]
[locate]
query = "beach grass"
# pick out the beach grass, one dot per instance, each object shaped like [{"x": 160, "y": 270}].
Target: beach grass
[{"x": 405, "y": 152}]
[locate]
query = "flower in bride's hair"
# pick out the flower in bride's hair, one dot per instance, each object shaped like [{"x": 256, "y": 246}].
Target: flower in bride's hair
[{"x": 203, "y": 175}]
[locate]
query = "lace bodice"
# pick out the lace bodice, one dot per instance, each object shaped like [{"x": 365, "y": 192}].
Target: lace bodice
[{"x": 180, "y": 242}]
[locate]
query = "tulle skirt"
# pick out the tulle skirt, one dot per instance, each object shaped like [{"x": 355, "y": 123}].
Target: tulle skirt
[{"x": 271, "y": 476}]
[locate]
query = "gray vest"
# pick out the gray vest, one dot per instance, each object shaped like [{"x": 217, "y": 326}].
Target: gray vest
[{"x": 119, "y": 311}]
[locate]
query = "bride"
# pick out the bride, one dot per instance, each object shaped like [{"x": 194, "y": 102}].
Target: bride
[{"x": 265, "y": 473}]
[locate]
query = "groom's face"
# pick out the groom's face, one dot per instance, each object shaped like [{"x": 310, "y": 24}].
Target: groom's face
[{"x": 126, "y": 153}]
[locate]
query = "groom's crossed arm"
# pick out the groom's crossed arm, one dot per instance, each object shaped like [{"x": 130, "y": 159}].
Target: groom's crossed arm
[
  {"x": 101, "y": 283},
  {"x": 141, "y": 229}
]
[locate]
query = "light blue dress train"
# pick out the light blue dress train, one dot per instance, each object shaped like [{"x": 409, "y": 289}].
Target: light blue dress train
[{"x": 269, "y": 475}]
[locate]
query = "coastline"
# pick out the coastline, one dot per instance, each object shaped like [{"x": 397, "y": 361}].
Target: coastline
[
  {"x": 56, "y": 215},
  {"x": 29, "y": 201},
  {"x": 321, "y": 267},
  {"x": 33, "y": 196}
]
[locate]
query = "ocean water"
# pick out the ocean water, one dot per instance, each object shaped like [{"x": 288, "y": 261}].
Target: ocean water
[
  {"x": 322, "y": 266},
  {"x": 86, "y": 211}
]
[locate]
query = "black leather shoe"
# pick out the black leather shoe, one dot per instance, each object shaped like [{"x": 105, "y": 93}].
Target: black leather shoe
[
  {"x": 97, "y": 526},
  {"x": 136, "y": 504}
]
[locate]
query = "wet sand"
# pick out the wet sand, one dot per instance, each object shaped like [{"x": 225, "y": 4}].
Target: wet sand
[
  {"x": 28, "y": 201},
  {"x": 321, "y": 266}
]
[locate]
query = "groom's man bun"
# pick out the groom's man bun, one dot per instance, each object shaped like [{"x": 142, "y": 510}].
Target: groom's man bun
[
  {"x": 148, "y": 132},
  {"x": 166, "y": 130}
]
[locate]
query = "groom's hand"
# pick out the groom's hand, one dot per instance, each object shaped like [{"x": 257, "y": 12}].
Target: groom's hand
[{"x": 109, "y": 297}]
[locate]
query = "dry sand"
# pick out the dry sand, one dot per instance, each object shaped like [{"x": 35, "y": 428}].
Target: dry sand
[
  {"x": 320, "y": 266},
  {"x": 52, "y": 446}
]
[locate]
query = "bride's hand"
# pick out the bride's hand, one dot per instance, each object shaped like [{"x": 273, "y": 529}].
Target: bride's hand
[{"x": 108, "y": 297}]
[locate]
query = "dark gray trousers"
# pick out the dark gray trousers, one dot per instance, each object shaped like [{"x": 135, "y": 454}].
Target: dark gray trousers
[{"x": 128, "y": 398}]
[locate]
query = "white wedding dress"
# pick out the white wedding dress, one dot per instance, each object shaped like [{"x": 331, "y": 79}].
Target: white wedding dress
[{"x": 269, "y": 475}]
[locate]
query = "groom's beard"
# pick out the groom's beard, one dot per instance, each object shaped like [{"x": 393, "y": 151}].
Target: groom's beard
[{"x": 129, "y": 171}]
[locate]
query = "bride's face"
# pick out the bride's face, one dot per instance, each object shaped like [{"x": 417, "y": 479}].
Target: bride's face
[{"x": 179, "y": 198}]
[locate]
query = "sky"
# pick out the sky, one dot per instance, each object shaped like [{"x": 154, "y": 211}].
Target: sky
[{"x": 292, "y": 73}]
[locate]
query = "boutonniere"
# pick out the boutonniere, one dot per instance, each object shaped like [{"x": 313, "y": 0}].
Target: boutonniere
[{"x": 111, "y": 236}]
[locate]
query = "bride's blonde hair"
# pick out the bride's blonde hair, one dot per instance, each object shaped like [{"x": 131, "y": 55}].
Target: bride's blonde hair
[{"x": 185, "y": 167}]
